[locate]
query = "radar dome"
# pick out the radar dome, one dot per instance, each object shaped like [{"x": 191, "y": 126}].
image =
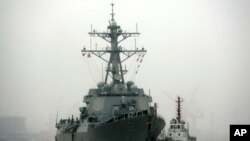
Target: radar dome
[
  {"x": 106, "y": 87},
  {"x": 100, "y": 85},
  {"x": 133, "y": 88},
  {"x": 129, "y": 83},
  {"x": 173, "y": 121}
]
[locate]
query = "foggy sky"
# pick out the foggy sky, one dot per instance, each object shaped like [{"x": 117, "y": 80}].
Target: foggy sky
[{"x": 198, "y": 50}]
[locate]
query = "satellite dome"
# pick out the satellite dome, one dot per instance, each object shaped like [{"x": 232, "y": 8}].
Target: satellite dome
[
  {"x": 129, "y": 83},
  {"x": 106, "y": 87},
  {"x": 100, "y": 85},
  {"x": 133, "y": 88},
  {"x": 173, "y": 121}
]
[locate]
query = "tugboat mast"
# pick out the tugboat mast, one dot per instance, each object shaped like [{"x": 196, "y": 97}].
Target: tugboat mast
[
  {"x": 114, "y": 36},
  {"x": 179, "y": 101}
]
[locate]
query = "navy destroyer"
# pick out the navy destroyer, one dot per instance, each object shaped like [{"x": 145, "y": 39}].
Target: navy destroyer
[{"x": 116, "y": 110}]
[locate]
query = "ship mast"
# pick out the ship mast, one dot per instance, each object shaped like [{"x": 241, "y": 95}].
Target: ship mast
[
  {"x": 114, "y": 36},
  {"x": 179, "y": 101}
]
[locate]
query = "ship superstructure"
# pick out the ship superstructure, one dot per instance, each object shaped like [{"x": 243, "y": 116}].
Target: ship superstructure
[
  {"x": 177, "y": 130},
  {"x": 115, "y": 110}
]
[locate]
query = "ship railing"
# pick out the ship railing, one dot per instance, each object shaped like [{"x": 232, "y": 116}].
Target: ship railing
[
  {"x": 128, "y": 116},
  {"x": 125, "y": 94},
  {"x": 87, "y": 96}
]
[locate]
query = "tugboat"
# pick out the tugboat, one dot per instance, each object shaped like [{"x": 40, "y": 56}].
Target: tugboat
[
  {"x": 177, "y": 130},
  {"x": 116, "y": 110}
]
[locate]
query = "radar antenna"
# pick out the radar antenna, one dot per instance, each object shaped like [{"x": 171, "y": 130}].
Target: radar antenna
[{"x": 112, "y": 14}]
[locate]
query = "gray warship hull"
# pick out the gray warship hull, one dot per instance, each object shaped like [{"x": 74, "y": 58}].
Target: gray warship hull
[{"x": 134, "y": 129}]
